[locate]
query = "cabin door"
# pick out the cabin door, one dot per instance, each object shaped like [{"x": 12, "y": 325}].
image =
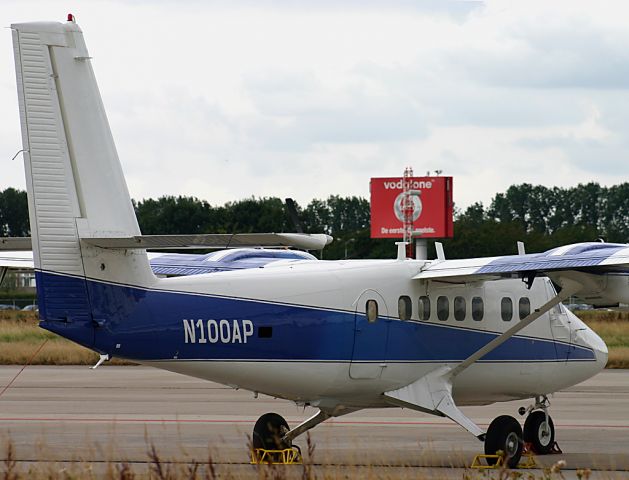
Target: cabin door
[{"x": 371, "y": 328}]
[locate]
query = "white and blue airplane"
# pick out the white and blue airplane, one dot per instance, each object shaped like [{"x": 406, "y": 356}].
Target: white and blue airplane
[{"x": 340, "y": 336}]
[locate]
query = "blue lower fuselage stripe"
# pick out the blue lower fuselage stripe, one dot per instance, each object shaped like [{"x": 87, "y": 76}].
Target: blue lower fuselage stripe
[{"x": 145, "y": 324}]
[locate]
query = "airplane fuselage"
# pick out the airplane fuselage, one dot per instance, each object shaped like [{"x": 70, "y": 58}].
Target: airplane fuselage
[{"x": 302, "y": 331}]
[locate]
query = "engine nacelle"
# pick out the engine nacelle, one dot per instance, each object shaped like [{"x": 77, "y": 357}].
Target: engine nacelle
[{"x": 597, "y": 289}]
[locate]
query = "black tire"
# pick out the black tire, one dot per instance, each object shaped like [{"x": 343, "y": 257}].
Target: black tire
[
  {"x": 505, "y": 435},
  {"x": 535, "y": 432},
  {"x": 268, "y": 432}
]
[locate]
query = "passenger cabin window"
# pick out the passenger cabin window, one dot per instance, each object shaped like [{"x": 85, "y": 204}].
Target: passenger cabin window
[
  {"x": 443, "y": 308},
  {"x": 506, "y": 309},
  {"x": 372, "y": 311},
  {"x": 404, "y": 307},
  {"x": 424, "y": 308},
  {"x": 478, "y": 309},
  {"x": 459, "y": 308},
  {"x": 524, "y": 306}
]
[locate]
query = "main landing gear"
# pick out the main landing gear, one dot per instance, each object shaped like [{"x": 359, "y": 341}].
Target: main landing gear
[
  {"x": 269, "y": 431},
  {"x": 270, "y": 444},
  {"x": 273, "y": 439},
  {"x": 505, "y": 434}
]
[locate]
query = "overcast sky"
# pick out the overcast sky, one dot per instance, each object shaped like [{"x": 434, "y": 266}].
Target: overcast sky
[{"x": 227, "y": 99}]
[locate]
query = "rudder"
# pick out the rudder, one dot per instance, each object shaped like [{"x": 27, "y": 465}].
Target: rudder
[{"x": 76, "y": 187}]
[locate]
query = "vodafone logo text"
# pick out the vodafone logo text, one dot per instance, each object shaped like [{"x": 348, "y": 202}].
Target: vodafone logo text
[{"x": 415, "y": 185}]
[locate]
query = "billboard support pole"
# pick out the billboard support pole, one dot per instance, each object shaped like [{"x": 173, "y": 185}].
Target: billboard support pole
[{"x": 408, "y": 208}]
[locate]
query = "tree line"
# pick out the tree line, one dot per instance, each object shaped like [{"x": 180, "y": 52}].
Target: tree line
[{"x": 542, "y": 217}]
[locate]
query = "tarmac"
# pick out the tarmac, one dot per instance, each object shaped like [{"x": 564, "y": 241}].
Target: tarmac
[{"x": 90, "y": 419}]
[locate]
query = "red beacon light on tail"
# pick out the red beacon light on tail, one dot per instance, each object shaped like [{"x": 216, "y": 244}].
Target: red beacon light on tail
[{"x": 71, "y": 18}]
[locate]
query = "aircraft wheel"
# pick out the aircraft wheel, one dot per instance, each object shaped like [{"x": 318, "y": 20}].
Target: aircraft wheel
[
  {"x": 504, "y": 434},
  {"x": 268, "y": 432},
  {"x": 540, "y": 435}
]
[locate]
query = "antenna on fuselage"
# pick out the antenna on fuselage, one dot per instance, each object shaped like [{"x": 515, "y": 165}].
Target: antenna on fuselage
[{"x": 440, "y": 253}]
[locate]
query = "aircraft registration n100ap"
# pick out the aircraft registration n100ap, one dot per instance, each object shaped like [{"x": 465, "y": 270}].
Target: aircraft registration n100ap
[{"x": 337, "y": 335}]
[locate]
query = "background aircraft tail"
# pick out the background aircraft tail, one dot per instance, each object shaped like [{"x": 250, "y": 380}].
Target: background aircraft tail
[{"x": 76, "y": 188}]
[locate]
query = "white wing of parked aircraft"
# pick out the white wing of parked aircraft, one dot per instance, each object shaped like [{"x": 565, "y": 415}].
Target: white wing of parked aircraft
[
  {"x": 179, "y": 264},
  {"x": 16, "y": 260}
]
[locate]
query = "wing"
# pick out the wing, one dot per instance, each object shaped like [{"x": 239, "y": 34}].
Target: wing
[
  {"x": 602, "y": 269},
  {"x": 592, "y": 257}
]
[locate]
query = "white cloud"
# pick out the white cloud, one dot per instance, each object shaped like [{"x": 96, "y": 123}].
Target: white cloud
[{"x": 223, "y": 100}]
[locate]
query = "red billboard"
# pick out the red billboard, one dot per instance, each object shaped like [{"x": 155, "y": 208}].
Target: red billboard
[{"x": 432, "y": 207}]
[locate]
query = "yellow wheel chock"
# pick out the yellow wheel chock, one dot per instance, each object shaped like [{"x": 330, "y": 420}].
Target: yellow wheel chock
[
  {"x": 529, "y": 460},
  {"x": 478, "y": 464},
  {"x": 288, "y": 456}
]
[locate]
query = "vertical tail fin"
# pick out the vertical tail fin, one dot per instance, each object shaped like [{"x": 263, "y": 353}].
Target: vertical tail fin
[{"x": 75, "y": 184}]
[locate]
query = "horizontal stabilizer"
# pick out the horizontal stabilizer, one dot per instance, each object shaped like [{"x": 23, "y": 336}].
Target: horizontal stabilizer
[{"x": 214, "y": 240}]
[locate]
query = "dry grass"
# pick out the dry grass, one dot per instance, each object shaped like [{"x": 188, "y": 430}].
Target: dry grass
[
  {"x": 618, "y": 357},
  {"x": 20, "y": 337},
  {"x": 156, "y": 467},
  {"x": 613, "y": 328},
  {"x": 603, "y": 315}
]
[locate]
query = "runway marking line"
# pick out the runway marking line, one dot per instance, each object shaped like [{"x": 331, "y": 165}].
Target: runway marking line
[{"x": 235, "y": 421}]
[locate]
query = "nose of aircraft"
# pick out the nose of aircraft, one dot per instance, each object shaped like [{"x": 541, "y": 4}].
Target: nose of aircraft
[
  {"x": 598, "y": 345},
  {"x": 589, "y": 338}
]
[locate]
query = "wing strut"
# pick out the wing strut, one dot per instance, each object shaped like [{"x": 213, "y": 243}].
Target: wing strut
[
  {"x": 569, "y": 289},
  {"x": 321, "y": 416},
  {"x": 432, "y": 393}
]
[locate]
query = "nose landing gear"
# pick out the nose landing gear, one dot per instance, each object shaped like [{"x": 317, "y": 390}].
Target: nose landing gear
[
  {"x": 539, "y": 429},
  {"x": 505, "y": 435}
]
